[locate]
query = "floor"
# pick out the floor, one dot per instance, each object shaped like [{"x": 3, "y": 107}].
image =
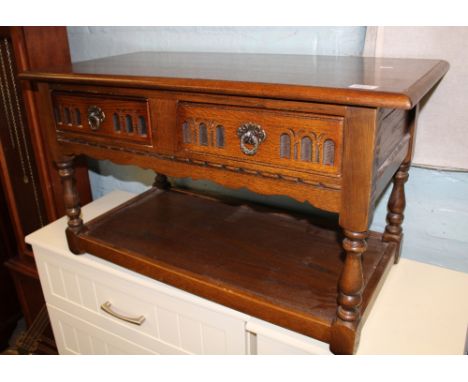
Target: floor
[{"x": 20, "y": 329}]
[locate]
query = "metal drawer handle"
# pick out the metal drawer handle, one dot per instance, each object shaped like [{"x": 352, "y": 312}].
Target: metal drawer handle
[
  {"x": 250, "y": 134},
  {"x": 95, "y": 117},
  {"x": 106, "y": 307}
]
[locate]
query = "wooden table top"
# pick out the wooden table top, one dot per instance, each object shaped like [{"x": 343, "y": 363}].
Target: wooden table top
[{"x": 364, "y": 81}]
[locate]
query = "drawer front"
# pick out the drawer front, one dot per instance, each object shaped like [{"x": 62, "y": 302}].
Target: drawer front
[
  {"x": 121, "y": 119},
  {"x": 171, "y": 325},
  {"x": 76, "y": 336},
  {"x": 261, "y": 138}
]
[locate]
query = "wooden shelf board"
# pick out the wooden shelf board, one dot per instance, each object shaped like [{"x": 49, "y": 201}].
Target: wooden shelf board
[{"x": 258, "y": 260}]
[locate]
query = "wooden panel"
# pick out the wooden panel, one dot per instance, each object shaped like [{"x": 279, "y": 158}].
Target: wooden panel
[
  {"x": 124, "y": 120},
  {"x": 392, "y": 127},
  {"x": 320, "y": 191},
  {"x": 51, "y": 39},
  {"x": 28, "y": 176},
  {"x": 27, "y": 287},
  {"x": 358, "y": 168},
  {"x": 307, "y": 142},
  {"x": 38, "y": 47},
  {"x": 393, "y": 145}
]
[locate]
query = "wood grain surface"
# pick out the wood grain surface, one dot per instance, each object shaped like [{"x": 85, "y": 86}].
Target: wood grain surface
[
  {"x": 393, "y": 82},
  {"x": 276, "y": 266}
]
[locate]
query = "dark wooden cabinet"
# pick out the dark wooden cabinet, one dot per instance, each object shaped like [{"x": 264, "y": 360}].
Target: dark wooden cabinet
[
  {"x": 9, "y": 308},
  {"x": 30, "y": 186}
]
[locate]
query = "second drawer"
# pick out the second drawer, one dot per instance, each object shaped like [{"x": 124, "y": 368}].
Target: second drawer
[{"x": 257, "y": 139}]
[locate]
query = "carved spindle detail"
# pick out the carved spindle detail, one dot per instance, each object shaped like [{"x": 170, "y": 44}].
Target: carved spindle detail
[
  {"x": 351, "y": 281},
  {"x": 396, "y": 207},
  {"x": 161, "y": 182}
]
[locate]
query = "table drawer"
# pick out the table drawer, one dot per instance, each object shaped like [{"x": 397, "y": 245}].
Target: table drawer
[
  {"x": 260, "y": 138},
  {"x": 119, "y": 118},
  {"x": 172, "y": 324}
]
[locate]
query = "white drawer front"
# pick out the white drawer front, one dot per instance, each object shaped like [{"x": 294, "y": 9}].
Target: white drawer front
[
  {"x": 172, "y": 325},
  {"x": 75, "y": 336},
  {"x": 269, "y": 339}
]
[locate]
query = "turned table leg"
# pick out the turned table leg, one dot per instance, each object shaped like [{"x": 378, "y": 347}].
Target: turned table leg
[
  {"x": 396, "y": 207},
  {"x": 161, "y": 182},
  {"x": 350, "y": 286},
  {"x": 72, "y": 203}
]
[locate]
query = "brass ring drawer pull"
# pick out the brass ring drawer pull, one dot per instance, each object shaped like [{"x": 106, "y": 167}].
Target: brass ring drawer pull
[
  {"x": 107, "y": 307},
  {"x": 250, "y": 134},
  {"x": 95, "y": 117}
]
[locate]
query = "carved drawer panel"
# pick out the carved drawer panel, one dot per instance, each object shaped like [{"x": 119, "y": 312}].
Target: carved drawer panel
[
  {"x": 119, "y": 118},
  {"x": 280, "y": 139}
]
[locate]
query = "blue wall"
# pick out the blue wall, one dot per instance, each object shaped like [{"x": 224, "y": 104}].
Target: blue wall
[
  {"x": 93, "y": 42},
  {"x": 436, "y": 216}
]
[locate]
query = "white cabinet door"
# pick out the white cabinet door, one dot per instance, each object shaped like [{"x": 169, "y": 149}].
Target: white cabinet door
[
  {"x": 175, "y": 322},
  {"x": 76, "y": 336}
]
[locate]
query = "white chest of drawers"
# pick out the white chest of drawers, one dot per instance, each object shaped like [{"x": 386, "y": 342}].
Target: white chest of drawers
[{"x": 175, "y": 322}]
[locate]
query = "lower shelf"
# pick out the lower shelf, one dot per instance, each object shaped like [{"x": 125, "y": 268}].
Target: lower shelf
[{"x": 280, "y": 268}]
